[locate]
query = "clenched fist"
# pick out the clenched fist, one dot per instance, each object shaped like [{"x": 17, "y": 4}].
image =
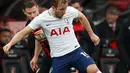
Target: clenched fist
[{"x": 6, "y": 48}]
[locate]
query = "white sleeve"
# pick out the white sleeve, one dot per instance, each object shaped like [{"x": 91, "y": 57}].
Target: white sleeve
[
  {"x": 74, "y": 12},
  {"x": 35, "y": 23}
]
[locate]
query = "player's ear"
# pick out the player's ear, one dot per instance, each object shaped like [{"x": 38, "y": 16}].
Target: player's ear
[
  {"x": 81, "y": 9},
  {"x": 24, "y": 11},
  {"x": 53, "y": 8},
  {"x": 38, "y": 7}
]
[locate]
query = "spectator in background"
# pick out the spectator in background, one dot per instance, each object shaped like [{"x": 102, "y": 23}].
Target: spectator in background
[
  {"x": 5, "y": 37},
  {"x": 123, "y": 43},
  {"x": 109, "y": 28}
]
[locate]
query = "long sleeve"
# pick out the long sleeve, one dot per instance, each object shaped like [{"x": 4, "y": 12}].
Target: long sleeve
[{"x": 121, "y": 45}]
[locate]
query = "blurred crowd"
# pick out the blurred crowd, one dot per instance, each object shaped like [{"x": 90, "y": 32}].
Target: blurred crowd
[{"x": 110, "y": 20}]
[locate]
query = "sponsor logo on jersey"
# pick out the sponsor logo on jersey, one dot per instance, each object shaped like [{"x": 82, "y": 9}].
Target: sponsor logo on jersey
[{"x": 59, "y": 31}]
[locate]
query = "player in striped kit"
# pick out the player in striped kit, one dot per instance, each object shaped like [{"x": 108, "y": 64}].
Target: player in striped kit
[{"x": 37, "y": 41}]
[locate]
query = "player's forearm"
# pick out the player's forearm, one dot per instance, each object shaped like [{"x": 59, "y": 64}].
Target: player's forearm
[
  {"x": 38, "y": 48},
  {"x": 86, "y": 25},
  {"x": 16, "y": 38},
  {"x": 20, "y": 35},
  {"x": 37, "y": 52}
]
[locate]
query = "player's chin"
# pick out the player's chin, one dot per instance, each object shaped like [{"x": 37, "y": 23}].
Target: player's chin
[{"x": 59, "y": 16}]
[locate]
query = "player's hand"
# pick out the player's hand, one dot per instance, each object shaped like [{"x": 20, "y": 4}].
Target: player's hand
[
  {"x": 39, "y": 35},
  {"x": 33, "y": 63},
  {"x": 6, "y": 48},
  {"x": 95, "y": 39}
]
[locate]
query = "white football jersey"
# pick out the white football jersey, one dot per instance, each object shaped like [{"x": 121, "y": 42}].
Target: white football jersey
[{"x": 59, "y": 32}]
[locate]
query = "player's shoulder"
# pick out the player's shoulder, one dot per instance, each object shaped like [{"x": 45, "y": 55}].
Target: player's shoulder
[
  {"x": 71, "y": 9},
  {"x": 44, "y": 14},
  {"x": 71, "y": 12}
]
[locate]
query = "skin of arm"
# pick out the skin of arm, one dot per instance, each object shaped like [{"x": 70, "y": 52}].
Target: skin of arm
[
  {"x": 38, "y": 48},
  {"x": 85, "y": 23},
  {"x": 33, "y": 62},
  {"x": 38, "y": 37},
  {"x": 83, "y": 20},
  {"x": 20, "y": 35}
]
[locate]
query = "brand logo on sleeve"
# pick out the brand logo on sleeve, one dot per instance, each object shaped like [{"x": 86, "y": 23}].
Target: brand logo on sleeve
[{"x": 48, "y": 24}]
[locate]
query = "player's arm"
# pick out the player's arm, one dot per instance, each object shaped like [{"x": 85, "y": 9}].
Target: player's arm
[
  {"x": 85, "y": 23},
  {"x": 17, "y": 37},
  {"x": 34, "y": 60},
  {"x": 38, "y": 48},
  {"x": 83, "y": 20},
  {"x": 38, "y": 38}
]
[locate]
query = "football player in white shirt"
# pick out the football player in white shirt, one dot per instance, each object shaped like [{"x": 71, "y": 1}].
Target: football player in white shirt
[{"x": 65, "y": 49}]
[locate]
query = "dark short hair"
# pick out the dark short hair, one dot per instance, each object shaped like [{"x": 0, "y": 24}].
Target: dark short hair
[
  {"x": 113, "y": 10},
  {"x": 56, "y": 2},
  {"x": 44, "y": 4},
  {"x": 29, "y": 4},
  {"x": 4, "y": 19},
  {"x": 75, "y": 1},
  {"x": 5, "y": 30}
]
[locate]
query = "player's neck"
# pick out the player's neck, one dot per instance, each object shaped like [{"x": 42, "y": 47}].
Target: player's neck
[{"x": 52, "y": 12}]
